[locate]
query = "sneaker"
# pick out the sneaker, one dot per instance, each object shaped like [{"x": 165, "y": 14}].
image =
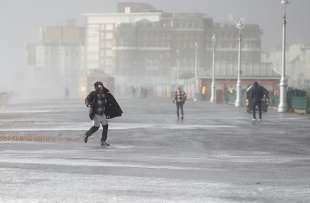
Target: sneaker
[
  {"x": 253, "y": 119},
  {"x": 105, "y": 144},
  {"x": 85, "y": 138}
]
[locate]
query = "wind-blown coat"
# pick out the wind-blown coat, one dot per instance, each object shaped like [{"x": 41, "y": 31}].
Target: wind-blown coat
[{"x": 112, "y": 108}]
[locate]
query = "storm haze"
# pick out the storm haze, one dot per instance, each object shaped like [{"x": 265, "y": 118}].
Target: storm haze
[
  {"x": 105, "y": 100},
  {"x": 21, "y": 20}
]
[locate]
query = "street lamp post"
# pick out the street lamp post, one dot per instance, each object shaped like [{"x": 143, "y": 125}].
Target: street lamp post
[
  {"x": 283, "y": 82},
  {"x": 213, "y": 85},
  {"x": 196, "y": 73},
  {"x": 239, "y": 26}
]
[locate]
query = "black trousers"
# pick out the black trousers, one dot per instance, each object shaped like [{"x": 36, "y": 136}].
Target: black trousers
[
  {"x": 93, "y": 129},
  {"x": 180, "y": 107},
  {"x": 259, "y": 105},
  {"x": 104, "y": 133}
]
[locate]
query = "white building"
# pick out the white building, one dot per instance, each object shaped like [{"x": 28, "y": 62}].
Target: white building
[
  {"x": 57, "y": 61},
  {"x": 141, "y": 46},
  {"x": 100, "y": 36}
]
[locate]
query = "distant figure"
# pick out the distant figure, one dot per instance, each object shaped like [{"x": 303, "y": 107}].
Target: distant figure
[
  {"x": 4, "y": 99},
  {"x": 67, "y": 93},
  {"x": 179, "y": 99},
  {"x": 133, "y": 91},
  {"x": 102, "y": 106},
  {"x": 257, "y": 95}
]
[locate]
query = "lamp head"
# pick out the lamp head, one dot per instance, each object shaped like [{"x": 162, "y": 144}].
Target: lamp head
[
  {"x": 240, "y": 25},
  {"x": 213, "y": 38},
  {"x": 284, "y": 2}
]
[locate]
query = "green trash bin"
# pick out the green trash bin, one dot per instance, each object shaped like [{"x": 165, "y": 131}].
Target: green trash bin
[
  {"x": 299, "y": 102},
  {"x": 308, "y": 105},
  {"x": 275, "y": 100}
]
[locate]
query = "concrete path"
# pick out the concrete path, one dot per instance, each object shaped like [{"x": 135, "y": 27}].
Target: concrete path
[{"x": 217, "y": 154}]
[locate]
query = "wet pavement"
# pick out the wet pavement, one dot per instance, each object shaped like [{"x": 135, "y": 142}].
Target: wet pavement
[{"x": 217, "y": 154}]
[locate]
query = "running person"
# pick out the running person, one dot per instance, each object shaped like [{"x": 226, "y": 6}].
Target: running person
[
  {"x": 258, "y": 93},
  {"x": 102, "y": 106}
]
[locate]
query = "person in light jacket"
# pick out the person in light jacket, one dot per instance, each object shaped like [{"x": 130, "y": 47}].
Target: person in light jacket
[{"x": 179, "y": 99}]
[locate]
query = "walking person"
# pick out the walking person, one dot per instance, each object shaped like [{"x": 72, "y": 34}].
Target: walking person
[
  {"x": 258, "y": 93},
  {"x": 102, "y": 106},
  {"x": 179, "y": 100}
]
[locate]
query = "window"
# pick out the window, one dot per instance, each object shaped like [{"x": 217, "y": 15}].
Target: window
[
  {"x": 108, "y": 53},
  {"x": 91, "y": 48},
  {"x": 108, "y": 35},
  {"x": 108, "y": 62},
  {"x": 92, "y": 57},
  {"x": 93, "y": 42},
  {"x": 108, "y": 44},
  {"x": 109, "y": 26}
]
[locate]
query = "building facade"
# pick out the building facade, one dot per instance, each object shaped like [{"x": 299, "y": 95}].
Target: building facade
[
  {"x": 143, "y": 46},
  {"x": 57, "y": 60}
]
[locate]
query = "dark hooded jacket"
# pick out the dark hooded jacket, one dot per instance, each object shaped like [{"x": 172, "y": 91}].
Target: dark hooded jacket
[
  {"x": 112, "y": 108},
  {"x": 258, "y": 92}
]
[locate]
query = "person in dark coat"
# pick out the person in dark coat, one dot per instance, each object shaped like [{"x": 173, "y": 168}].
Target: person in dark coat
[
  {"x": 102, "y": 106},
  {"x": 257, "y": 95}
]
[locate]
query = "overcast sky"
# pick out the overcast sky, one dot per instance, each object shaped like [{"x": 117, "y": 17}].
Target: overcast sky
[{"x": 20, "y": 20}]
